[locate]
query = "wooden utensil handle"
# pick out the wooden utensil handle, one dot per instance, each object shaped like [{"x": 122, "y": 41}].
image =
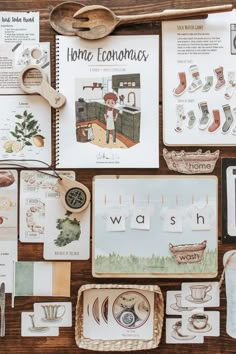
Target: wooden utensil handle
[
  {"x": 55, "y": 99},
  {"x": 174, "y": 14}
]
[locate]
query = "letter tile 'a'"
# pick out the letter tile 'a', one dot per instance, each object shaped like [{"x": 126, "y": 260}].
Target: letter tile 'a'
[{"x": 140, "y": 219}]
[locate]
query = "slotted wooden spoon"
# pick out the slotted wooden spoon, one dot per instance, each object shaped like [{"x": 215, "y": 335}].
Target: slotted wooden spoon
[{"x": 95, "y": 21}]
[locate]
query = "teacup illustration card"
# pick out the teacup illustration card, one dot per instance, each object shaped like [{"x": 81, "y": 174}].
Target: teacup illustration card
[
  {"x": 201, "y": 323},
  {"x": 175, "y": 335},
  {"x": 203, "y": 294},
  {"x": 174, "y": 303},
  {"x": 53, "y": 314},
  {"x": 29, "y": 328}
]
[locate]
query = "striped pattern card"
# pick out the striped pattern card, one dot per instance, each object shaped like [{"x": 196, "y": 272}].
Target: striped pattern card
[{"x": 41, "y": 279}]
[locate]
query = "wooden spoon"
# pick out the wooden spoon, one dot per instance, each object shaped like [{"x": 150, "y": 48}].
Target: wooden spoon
[
  {"x": 94, "y": 22},
  {"x": 61, "y": 17}
]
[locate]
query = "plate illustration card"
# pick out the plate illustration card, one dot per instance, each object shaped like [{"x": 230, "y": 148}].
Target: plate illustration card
[
  {"x": 180, "y": 234},
  {"x": 36, "y": 189},
  {"x": 67, "y": 235},
  {"x": 111, "y": 115},
  {"x": 199, "y": 81},
  {"x": 25, "y": 128}
]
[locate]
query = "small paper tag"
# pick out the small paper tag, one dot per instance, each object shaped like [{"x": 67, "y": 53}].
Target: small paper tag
[
  {"x": 172, "y": 221},
  {"x": 115, "y": 219},
  {"x": 140, "y": 219}
]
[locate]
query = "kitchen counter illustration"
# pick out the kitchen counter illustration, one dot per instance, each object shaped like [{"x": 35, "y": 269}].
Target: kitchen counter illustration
[{"x": 108, "y": 112}]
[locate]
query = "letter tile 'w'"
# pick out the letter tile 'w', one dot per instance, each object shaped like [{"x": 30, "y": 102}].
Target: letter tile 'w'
[{"x": 115, "y": 220}]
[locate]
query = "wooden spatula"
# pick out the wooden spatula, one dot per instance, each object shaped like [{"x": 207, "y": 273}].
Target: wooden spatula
[{"x": 95, "y": 21}]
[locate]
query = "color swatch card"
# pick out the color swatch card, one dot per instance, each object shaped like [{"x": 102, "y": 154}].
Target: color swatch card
[
  {"x": 67, "y": 235},
  {"x": 8, "y": 225},
  {"x": 42, "y": 279},
  {"x": 36, "y": 191}
]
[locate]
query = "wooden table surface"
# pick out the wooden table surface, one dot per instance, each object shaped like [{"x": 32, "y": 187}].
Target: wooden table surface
[{"x": 81, "y": 270}]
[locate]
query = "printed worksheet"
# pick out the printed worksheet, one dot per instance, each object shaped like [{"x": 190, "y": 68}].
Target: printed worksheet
[
  {"x": 17, "y": 27},
  {"x": 199, "y": 81},
  {"x": 36, "y": 191}
]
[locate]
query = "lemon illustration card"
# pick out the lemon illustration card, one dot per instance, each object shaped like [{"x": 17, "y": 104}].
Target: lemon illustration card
[{"x": 25, "y": 128}]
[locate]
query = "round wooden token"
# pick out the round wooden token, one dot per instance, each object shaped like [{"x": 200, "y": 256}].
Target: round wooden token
[{"x": 74, "y": 195}]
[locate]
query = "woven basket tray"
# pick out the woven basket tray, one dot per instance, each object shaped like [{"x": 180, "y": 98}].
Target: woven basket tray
[{"x": 123, "y": 344}]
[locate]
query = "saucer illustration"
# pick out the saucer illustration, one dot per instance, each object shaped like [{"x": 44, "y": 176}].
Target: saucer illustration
[
  {"x": 177, "y": 336},
  {"x": 38, "y": 329},
  {"x": 202, "y": 330},
  {"x": 198, "y": 301},
  {"x": 51, "y": 320},
  {"x": 182, "y": 308}
]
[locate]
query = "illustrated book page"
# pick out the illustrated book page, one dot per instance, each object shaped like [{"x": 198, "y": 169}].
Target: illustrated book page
[
  {"x": 13, "y": 59},
  {"x": 25, "y": 128},
  {"x": 199, "y": 81},
  {"x": 8, "y": 225},
  {"x": 36, "y": 191},
  {"x": 111, "y": 115},
  {"x": 154, "y": 226}
]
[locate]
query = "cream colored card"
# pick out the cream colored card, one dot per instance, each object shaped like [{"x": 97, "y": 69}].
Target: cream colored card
[
  {"x": 201, "y": 294},
  {"x": 29, "y": 329},
  {"x": 67, "y": 236},
  {"x": 130, "y": 314},
  {"x": 201, "y": 323},
  {"x": 174, "y": 333},
  {"x": 36, "y": 189},
  {"x": 53, "y": 314},
  {"x": 174, "y": 303}
]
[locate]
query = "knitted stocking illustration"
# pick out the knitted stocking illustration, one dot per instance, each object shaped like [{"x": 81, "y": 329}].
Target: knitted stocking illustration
[
  {"x": 233, "y": 131},
  {"x": 216, "y": 121},
  {"x": 220, "y": 78},
  {"x": 231, "y": 84},
  {"x": 192, "y": 119},
  {"x": 180, "y": 118},
  {"x": 205, "y": 118},
  {"x": 228, "y": 119},
  {"x": 179, "y": 90},
  {"x": 209, "y": 82},
  {"x": 197, "y": 82}
]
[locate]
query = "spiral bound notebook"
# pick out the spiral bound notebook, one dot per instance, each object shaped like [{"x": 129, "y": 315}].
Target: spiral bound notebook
[{"x": 111, "y": 115}]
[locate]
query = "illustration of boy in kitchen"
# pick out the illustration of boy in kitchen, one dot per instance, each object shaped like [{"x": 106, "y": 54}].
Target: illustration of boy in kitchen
[{"x": 110, "y": 115}]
